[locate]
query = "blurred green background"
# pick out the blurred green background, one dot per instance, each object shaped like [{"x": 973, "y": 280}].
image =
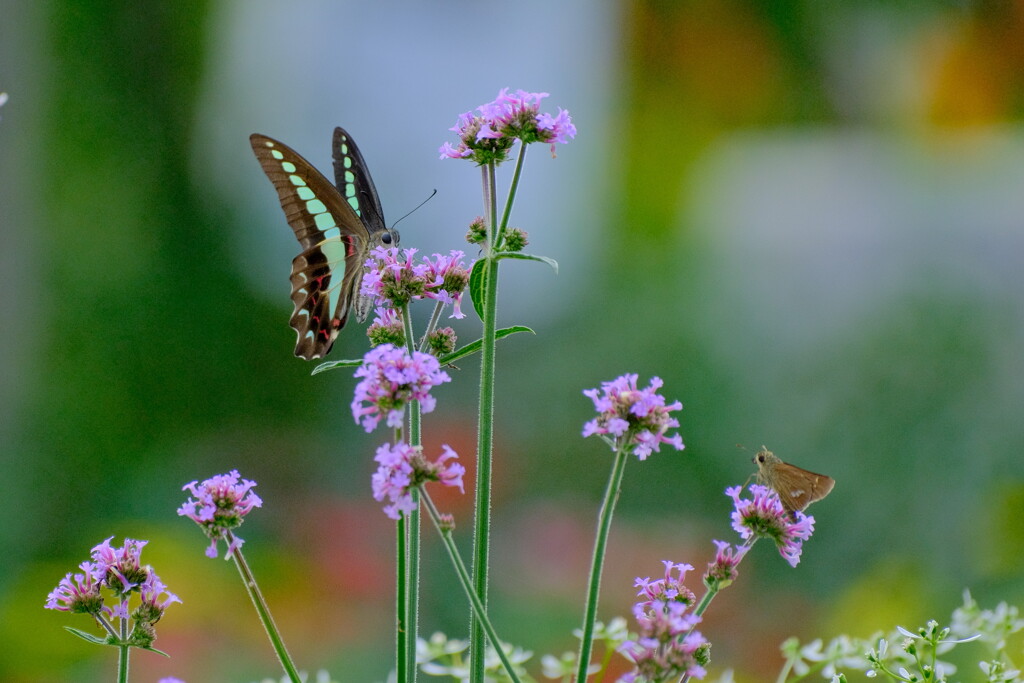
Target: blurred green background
[{"x": 806, "y": 217}]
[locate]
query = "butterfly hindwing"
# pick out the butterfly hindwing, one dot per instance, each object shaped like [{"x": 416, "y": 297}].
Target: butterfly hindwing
[{"x": 334, "y": 240}]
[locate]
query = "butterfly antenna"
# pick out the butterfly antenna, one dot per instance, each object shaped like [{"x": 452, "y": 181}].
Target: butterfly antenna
[{"x": 414, "y": 210}]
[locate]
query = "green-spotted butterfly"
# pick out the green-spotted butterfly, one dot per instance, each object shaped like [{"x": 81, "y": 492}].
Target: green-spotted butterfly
[{"x": 336, "y": 228}]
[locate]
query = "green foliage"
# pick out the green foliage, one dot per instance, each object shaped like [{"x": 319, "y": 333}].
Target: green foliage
[
  {"x": 913, "y": 656},
  {"x": 477, "y": 286},
  {"x": 442, "y": 656}
]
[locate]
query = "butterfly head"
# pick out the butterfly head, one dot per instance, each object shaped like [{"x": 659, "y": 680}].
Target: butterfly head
[
  {"x": 765, "y": 457},
  {"x": 389, "y": 238}
]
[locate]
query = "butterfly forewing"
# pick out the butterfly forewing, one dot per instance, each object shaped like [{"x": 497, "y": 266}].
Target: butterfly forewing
[
  {"x": 798, "y": 488},
  {"x": 353, "y": 180},
  {"x": 334, "y": 241}
]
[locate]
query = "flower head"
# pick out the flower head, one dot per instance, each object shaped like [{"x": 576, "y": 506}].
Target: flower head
[
  {"x": 155, "y": 600},
  {"x": 488, "y": 136},
  {"x": 722, "y": 571},
  {"x": 390, "y": 379},
  {"x": 633, "y": 418},
  {"x": 220, "y": 505},
  {"x": 441, "y": 341},
  {"x": 393, "y": 281},
  {"x": 403, "y": 468},
  {"x": 447, "y": 278},
  {"x": 516, "y": 239},
  {"x": 122, "y": 567},
  {"x": 667, "y": 646},
  {"x": 117, "y": 569},
  {"x": 477, "y": 232},
  {"x": 765, "y": 517},
  {"x": 78, "y": 592},
  {"x": 386, "y": 328}
]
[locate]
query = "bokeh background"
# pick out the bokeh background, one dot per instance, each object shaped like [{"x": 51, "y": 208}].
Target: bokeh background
[{"x": 806, "y": 217}]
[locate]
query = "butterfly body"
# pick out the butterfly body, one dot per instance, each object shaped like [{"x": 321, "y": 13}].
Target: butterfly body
[
  {"x": 336, "y": 227},
  {"x": 797, "y": 488}
]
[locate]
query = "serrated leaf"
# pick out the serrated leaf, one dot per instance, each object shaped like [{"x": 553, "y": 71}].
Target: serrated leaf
[
  {"x": 478, "y": 285},
  {"x": 335, "y": 364},
  {"x": 87, "y": 636},
  {"x": 530, "y": 257},
  {"x": 473, "y": 347}
]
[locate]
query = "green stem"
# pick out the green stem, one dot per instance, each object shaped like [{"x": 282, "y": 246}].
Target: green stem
[
  {"x": 604, "y": 524},
  {"x": 401, "y": 588},
  {"x": 263, "y": 610},
  {"x": 414, "y": 583},
  {"x": 122, "y": 656},
  {"x": 401, "y": 598},
  {"x": 434, "y": 317},
  {"x": 487, "y": 181},
  {"x": 106, "y": 626},
  {"x": 784, "y": 674},
  {"x": 705, "y": 601},
  {"x": 122, "y": 664},
  {"x": 479, "y": 610},
  {"x": 934, "y": 654},
  {"x": 414, "y": 409},
  {"x": 485, "y": 436},
  {"x": 513, "y": 188},
  {"x": 412, "y": 574}
]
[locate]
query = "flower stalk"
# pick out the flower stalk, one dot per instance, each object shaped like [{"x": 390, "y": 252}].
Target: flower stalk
[
  {"x": 263, "y": 610},
  {"x": 486, "y": 138},
  {"x": 604, "y": 524},
  {"x": 479, "y": 609},
  {"x": 485, "y": 430}
]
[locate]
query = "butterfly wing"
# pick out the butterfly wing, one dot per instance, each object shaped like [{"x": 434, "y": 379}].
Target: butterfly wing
[
  {"x": 326, "y": 273},
  {"x": 798, "y": 488},
  {"x": 352, "y": 177}
]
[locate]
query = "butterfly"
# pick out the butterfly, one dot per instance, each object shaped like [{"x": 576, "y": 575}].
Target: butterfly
[
  {"x": 797, "y": 488},
  {"x": 337, "y": 226}
]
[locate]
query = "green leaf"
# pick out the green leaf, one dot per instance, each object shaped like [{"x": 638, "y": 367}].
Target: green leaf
[
  {"x": 153, "y": 649},
  {"x": 473, "y": 347},
  {"x": 335, "y": 364},
  {"x": 477, "y": 286},
  {"x": 87, "y": 636},
  {"x": 529, "y": 257}
]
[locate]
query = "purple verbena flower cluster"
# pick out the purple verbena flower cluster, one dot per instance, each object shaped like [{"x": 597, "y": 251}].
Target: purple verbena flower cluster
[
  {"x": 79, "y": 593},
  {"x": 220, "y": 505},
  {"x": 120, "y": 570},
  {"x": 393, "y": 280},
  {"x": 390, "y": 379},
  {"x": 634, "y": 418},
  {"x": 765, "y": 517},
  {"x": 386, "y": 328},
  {"x": 403, "y": 468},
  {"x": 447, "y": 277},
  {"x": 124, "y": 570},
  {"x": 722, "y": 571},
  {"x": 667, "y": 646},
  {"x": 487, "y": 136}
]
